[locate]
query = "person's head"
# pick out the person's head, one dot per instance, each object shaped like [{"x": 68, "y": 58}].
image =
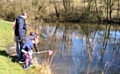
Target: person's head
[
  {"x": 25, "y": 15},
  {"x": 33, "y": 34},
  {"x": 36, "y": 40},
  {"x": 36, "y": 37}
]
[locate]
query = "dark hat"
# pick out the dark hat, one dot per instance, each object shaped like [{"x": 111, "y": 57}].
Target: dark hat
[
  {"x": 33, "y": 34},
  {"x": 25, "y": 13}
]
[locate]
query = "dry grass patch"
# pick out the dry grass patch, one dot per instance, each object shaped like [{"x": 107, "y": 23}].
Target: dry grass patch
[{"x": 44, "y": 68}]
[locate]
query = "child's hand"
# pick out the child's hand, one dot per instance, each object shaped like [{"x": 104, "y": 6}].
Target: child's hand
[
  {"x": 30, "y": 53},
  {"x": 24, "y": 51},
  {"x": 38, "y": 52}
]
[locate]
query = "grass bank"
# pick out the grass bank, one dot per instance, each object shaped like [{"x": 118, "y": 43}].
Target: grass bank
[{"x": 7, "y": 66}]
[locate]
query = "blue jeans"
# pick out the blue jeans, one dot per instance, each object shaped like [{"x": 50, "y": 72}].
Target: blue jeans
[{"x": 19, "y": 45}]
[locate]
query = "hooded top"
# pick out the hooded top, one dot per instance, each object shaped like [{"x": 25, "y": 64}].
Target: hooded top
[
  {"x": 31, "y": 37},
  {"x": 20, "y": 28},
  {"x": 28, "y": 45}
]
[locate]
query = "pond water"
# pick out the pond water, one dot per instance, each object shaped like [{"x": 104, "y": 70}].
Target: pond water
[{"x": 81, "y": 48}]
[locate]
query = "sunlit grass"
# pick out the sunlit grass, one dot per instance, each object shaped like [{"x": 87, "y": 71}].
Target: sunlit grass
[
  {"x": 7, "y": 66},
  {"x": 6, "y": 32}
]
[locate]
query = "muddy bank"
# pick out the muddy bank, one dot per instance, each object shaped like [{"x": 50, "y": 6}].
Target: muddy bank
[{"x": 11, "y": 49}]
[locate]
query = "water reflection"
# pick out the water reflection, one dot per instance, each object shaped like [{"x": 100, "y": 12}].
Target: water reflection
[{"x": 82, "y": 49}]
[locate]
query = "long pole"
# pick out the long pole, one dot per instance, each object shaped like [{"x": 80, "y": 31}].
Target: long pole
[{"x": 42, "y": 51}]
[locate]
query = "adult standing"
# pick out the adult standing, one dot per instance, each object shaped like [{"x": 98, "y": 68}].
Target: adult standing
[{"x": 20, "y": 33}]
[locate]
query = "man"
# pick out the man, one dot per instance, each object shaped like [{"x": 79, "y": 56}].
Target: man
[{"x": 20, "y": 32}]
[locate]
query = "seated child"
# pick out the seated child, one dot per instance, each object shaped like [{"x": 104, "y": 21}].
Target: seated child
[{"x": 27, "y": 51}]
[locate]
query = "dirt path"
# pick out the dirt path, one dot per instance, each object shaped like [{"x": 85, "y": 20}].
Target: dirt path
[{"x": 11, "y": 50}]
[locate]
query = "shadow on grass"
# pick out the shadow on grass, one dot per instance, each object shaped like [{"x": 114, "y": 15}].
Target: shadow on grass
[
  {"x": 14, "y": 58},
  {"x": 3, "y": 53}
]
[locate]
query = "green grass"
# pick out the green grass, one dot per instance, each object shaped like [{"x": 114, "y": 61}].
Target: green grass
[
  {"x": 7, "y": 66},
  {"x": 6, "y": 32}
]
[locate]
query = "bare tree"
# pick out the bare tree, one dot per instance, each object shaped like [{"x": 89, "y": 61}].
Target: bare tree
[
  {"x": 118, "y": 8},
  {"x": 110, "y": 7},
  {"x": 97, "y": 11},
  {"x": 56, "y": 8},
  {"x": 107, "y": 9},
  {"x": 67, "y": 4}
]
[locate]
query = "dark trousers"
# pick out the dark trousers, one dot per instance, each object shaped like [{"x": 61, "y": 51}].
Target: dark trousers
[{"x": 19, "y": 45}]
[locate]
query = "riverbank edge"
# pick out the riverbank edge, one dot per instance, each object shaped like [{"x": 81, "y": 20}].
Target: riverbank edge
[{"x": 8, "y": 65}]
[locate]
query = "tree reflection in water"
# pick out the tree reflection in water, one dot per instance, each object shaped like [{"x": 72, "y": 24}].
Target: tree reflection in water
[{"x": 82, "y": 49}]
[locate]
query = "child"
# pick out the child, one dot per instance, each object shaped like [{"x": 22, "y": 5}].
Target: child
[
  {"x": 27, "y": 51},
  {"x": 31, "y": 37}
]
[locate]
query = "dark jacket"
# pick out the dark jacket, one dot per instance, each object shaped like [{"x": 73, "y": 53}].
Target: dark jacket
[
  {"x": 20, "y": 28},
  {"x": 28, "y": 46}
]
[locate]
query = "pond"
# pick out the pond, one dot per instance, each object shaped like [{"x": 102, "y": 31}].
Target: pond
[{"x": 81, "y": 48}]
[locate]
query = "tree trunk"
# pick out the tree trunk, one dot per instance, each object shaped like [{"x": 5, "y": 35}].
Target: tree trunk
[
  {"x": 107, "y": 10},
  {"x": 56, "y": 10},
  {"x": 118, "y": 8},
  {"x": 97, "y": 11},
  {"x": 110, "y": 13}
]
